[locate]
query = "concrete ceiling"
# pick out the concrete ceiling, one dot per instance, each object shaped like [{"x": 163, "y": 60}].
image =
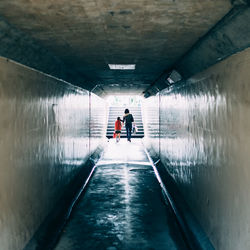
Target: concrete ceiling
[{"x": 87, "y": 35}]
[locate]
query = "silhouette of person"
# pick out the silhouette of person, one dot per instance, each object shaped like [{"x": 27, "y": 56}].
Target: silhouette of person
[
  {"x": 128, "y": 119},
  {"x": 118, "y": 128}
]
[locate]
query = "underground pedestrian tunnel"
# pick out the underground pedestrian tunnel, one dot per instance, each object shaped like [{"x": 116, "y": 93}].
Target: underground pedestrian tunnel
[{"x": 184, "y": 180}]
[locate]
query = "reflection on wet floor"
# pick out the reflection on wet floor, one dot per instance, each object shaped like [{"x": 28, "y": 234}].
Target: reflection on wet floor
[
  {"x": 125, "y": 151},
  {"x": 123, "y": 207}
]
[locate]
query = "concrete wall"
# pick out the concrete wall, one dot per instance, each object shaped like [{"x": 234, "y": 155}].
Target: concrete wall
[
  {"x": 44, "y": 142},
  {"x": 204, "y": 143},
  {"x": 151, "y": 123},
  {"x": 98, "y": 121}
]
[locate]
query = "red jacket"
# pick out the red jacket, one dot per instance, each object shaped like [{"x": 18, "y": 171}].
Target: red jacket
[{"x": 118, "y": 125}]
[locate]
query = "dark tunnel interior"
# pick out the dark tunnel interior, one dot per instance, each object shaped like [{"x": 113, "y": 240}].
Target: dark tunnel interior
[{"x": 68, "y": 69}]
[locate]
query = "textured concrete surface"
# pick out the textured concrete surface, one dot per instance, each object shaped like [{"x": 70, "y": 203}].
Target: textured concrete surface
[
  {"x": 123, "y": 207},
  {"x": 22, "y": 48},
  {"x": 44, "y": 141},
  {"x": 230, "y": 36},
  {"x": 151, "y": 121},
  {"x": 88, "y": 34},
  {"x": 204, "y": 144},
  {"x": 17, "y": 46}
]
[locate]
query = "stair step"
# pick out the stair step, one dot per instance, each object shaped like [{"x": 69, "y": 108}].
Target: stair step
[
  {"x": 114, "y": 112},
  {"x": 112, "y": 126},
  {"x": 123, "y": 128}
]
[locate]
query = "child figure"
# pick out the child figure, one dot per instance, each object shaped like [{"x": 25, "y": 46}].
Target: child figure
[{"x": 118, "y": 128}]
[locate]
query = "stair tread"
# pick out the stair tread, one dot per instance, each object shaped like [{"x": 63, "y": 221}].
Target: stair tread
[{"x": 114, "y": 112}]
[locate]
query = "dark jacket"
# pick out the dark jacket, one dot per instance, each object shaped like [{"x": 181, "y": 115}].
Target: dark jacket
[{"x": 128, "y": 119}]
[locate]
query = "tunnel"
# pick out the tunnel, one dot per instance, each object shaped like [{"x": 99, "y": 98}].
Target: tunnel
[{"x": 68, "y": 69}]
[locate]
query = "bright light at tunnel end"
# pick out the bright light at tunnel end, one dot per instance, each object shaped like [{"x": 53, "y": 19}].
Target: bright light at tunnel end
[{"x": 122, "y": 66}]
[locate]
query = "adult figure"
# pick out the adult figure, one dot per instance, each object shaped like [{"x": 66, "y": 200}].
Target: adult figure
[{"x": 128, "y": 119}]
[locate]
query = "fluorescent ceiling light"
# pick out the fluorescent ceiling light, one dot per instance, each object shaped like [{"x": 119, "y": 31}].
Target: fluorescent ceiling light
[{"x": 122, "y": 66}]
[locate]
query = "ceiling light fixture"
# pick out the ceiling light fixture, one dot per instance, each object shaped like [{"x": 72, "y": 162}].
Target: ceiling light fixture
[{"x": 122, "y": 66}]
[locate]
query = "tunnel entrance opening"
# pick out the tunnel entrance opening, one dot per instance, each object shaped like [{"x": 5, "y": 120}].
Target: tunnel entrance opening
[
  {"x": 124, "y": 101},
  {"x": 117, "y": 105}
]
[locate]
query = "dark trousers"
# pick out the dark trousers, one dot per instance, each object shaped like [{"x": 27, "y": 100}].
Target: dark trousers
[{"x": 129, "y": 129}]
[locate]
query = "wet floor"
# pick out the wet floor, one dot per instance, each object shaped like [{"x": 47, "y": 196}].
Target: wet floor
[{"x": 123, "y": 207}]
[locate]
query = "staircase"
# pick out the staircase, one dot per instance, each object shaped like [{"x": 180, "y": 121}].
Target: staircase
[{"x": 114, "y": 112}]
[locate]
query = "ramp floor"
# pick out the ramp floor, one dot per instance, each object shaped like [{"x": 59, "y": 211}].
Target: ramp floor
[{"x": 123, "y": 207}]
